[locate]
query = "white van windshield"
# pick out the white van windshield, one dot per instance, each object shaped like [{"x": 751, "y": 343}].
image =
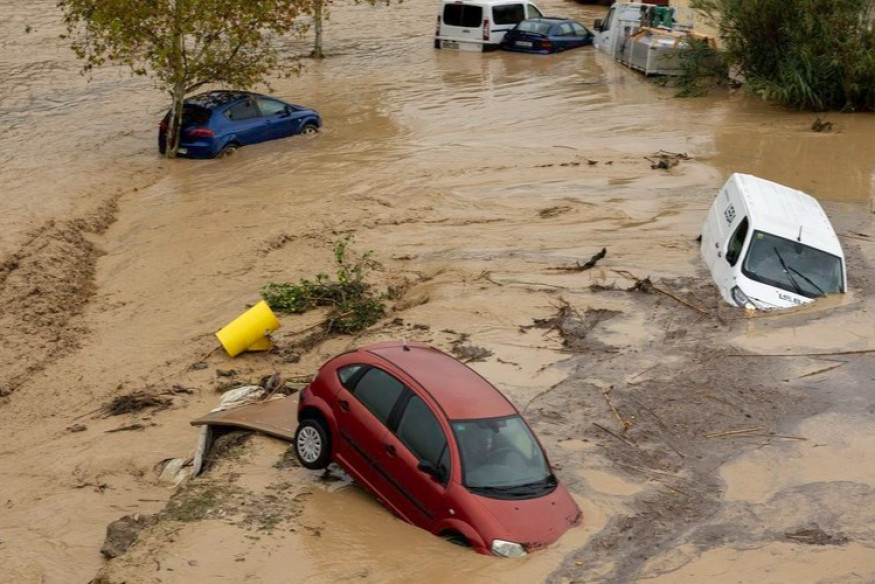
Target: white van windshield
[{"x": 792, "y": 266}]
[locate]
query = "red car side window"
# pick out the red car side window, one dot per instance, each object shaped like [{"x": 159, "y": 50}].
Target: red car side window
[
  {"x": 378, "y": 391},
  {"x": 420, "y": 431},
  {"x": 347, "y": 375}
]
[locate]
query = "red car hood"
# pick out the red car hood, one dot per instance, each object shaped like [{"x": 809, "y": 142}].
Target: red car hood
[{"x": 535, "y": 523}]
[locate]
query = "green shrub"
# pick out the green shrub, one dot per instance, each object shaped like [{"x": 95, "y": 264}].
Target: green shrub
[
  {"x": 353, "y": 307},
  {"x": 808, "y": 54}
]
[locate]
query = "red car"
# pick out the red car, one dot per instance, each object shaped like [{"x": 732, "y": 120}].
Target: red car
[{"x": 437, "y": 444}]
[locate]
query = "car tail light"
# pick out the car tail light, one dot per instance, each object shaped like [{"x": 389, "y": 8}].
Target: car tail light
[
  {"x": 201, "y": 133},
  {"x": 162, "y": 125},
  {"x": 486, "y": 29},
  {"x": 545, "y": 44}
]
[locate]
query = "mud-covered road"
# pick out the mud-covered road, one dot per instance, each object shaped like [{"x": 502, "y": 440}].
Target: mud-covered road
[{"x": 703, "y": 445}]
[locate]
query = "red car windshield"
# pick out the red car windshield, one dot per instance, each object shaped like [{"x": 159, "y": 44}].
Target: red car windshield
[{"x": 500, "y": 455}]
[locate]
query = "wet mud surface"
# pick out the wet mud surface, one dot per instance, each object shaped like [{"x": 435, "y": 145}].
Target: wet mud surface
[{"x": 702, "y": 444}]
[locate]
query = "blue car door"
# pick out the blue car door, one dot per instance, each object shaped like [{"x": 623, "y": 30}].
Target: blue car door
[
  {"x": 564, "y": 36},
  {"x": 278, "y": 117},
  {"x": 246, "y": 123},
  {"x": 582, "y": 36}
]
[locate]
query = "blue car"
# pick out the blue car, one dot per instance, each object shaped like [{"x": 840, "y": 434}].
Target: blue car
[
  {"x": 546, "y": 35},
  {"x": 216, "y": 123}
]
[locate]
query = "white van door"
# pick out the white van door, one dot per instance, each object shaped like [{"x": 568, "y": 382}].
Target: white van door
[
  {"x": 604, "y": 32},
  {"x": 724, "y": 240},
  {"x": 462, "y": 26},
  {"x": 506, "y": 16}
]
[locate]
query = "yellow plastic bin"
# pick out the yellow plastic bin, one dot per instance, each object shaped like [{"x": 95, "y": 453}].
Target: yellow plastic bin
[{"x": 249, "y": 331}]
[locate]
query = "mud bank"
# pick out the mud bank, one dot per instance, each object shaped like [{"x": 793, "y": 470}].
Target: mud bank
[{"x": 691, "y": 456}]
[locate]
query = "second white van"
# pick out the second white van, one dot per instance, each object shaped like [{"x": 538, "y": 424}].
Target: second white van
[
  {"x": 769, "y": 246},
  {"x": 479, "y": 25}
]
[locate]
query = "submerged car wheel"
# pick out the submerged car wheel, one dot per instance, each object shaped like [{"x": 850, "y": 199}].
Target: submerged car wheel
[
  {"x": 456, "y": 538},
  {"x": 313, "y": 444},
  {"x": 309, "y": 129},
  {"x": 228, "y": 150}
]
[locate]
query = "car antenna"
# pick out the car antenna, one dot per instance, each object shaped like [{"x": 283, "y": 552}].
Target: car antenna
[
  {"x": 404, "y": 344},
  {"x": 799, "y": 237}
]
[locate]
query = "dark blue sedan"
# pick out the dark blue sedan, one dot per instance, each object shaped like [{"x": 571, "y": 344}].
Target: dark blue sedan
[
  {"x": 216, "y": 123},
  {"x": 546, "y": 35}
]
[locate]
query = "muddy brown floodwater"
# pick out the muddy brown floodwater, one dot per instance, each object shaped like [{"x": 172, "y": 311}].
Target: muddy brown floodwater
[{"x": 697, "y": 448}]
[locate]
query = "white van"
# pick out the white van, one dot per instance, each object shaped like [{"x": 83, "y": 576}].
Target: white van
[
  {"x": 769, "y": 246},
  {"x": 479, "y": 25}
]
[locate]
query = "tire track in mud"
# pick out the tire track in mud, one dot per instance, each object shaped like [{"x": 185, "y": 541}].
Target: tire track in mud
[
  {"x": 660, "y": 425},
  {"x": 44, "y": 286}
]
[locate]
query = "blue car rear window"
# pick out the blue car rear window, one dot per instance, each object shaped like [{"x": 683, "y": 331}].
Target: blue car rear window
[
  {"x": 193, "y": 115},
  {"x": 534, "y": 26}
]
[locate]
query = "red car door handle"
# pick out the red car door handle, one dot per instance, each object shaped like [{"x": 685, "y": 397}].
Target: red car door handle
[
  {"x": 344, "y": 405},
  {"x": 390, "y": 450}
]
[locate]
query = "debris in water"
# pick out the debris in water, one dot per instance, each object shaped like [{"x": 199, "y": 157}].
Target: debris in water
[
  {"x": 666, "y": 160},
  {"x": 127, "y": 428},
  {"x": 553, "y": 211},
  {"x": 122, "y": 533},
  {"x": 821, "y": 125},
  {"x": 468, "y": 353},
  {"x": 816, "y": 536},
  {"x": 135, "y": 402},
  {"x": 578, "y": 267}
]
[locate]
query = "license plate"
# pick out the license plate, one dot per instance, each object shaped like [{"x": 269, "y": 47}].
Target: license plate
[
  {"x": 449, "y": 44},
  {"x": 182, "y": 150},
  {"x": 526, "y": 44}
]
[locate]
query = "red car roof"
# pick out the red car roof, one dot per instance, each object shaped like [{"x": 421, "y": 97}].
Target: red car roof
[{"x": 458, "y": 389}]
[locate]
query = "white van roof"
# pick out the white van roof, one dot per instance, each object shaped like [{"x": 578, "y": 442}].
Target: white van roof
[
  {"x": 485, "y": 2},
  {"x": 783, "y": 211}
]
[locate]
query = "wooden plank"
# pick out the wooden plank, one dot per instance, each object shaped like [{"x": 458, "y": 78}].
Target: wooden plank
[{"x": 277, "y": 417}]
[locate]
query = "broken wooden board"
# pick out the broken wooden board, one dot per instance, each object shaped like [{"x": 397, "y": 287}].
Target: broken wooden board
[{"x": 277, "y": 417}]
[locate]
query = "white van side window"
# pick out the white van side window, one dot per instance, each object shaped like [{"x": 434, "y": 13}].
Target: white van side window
[
  {"x": 465, "y": 15},
  {"x": 606, "y": 23},
  {"x": 733, "y": 250},
  {"x": 534, "y": 12},
  {"x": 508, "y": 13}
]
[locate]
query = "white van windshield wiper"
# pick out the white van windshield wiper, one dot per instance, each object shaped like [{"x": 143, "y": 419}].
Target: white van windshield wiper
[
  {"x": 807, "y": 279},
  {"x": 789, "y": 272}
]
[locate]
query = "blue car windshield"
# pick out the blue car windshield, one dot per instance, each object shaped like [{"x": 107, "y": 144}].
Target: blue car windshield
[
  {"x": 792, "y": 266},
  {"x": 500, "y": 453}
]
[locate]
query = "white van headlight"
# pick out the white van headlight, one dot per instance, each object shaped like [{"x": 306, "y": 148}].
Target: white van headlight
[
  {"x": 507, "y": 549},
  {"x": 741, "y": 298}
]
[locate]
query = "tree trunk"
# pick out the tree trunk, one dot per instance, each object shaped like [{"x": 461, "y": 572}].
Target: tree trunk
[
  {"x": 317, "y": 27},
  {"x": 175, "y": 122},
  {"x": 177, "y": 94}
]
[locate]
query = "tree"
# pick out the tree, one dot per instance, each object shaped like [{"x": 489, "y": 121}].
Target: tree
[
  {"x": 320, "y": 14},
  {"x": 185, "y": 44},
  {"x": 808, "y": 54}
]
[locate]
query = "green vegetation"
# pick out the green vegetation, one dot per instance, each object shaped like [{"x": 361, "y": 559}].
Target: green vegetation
[
  {"x": 701, "y": 68},
  {"x": 195, "y": 503},
  {"x": 808, "y": 54},
  {"x": 353, "y": 307},
  {"x": 185, "y": 44}
]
